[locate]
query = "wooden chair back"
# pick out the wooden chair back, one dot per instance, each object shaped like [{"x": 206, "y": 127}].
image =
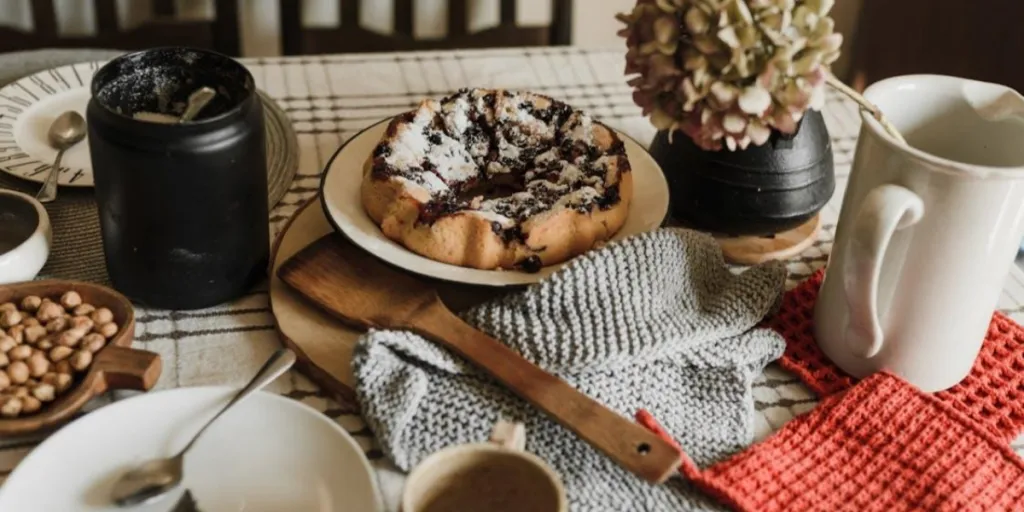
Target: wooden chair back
[
  {"x": 350, "y": 36},
  {"x": 162, "y": 29},
  {"x": 980, "y": 40}
]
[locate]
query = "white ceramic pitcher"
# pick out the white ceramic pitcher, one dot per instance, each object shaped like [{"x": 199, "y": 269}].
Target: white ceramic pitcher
[{"x": 927, "y": 232}]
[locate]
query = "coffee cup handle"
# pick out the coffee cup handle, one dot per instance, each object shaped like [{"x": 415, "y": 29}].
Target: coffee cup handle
[
  {"x": 886, "y": 209},
  {"x": 508, "y": 434}
]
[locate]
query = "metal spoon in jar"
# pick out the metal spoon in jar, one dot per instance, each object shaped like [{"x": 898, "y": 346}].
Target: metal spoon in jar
[
  {"x": 66, "y": 131},
  {"x": 155, "y": 478},
  {"x": 196, "y": 101}
]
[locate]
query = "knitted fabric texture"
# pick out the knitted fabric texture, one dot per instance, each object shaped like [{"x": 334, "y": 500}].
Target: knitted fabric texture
[
  {"x": 656, "y": 321},
  {"x": 992, "y": 394},
  {"x": 882, "y": 445}
]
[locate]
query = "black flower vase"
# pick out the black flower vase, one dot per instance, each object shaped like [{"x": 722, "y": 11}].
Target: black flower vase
[{"x": 758, "y": 191}]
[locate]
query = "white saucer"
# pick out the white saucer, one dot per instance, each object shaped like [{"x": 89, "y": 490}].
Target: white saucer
[
  {"x": 268, "y": 454},
  {"x": 339, "y": 193}
]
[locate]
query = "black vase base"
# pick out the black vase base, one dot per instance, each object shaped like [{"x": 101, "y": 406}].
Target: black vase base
[{"x": 751, "y": 250}]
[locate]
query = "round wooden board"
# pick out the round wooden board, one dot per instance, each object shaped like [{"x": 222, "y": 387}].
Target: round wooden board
[
  {"x": 323, "y": 345},
  {"x": 751, "y": 250}
]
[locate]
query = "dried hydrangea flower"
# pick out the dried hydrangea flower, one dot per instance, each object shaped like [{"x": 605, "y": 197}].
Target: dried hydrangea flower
[{"x": 728, "y": 72}]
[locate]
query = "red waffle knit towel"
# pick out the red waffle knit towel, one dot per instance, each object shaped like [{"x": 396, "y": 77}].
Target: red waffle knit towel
[
  {"x": 992, "y": 394},
  {"x": 882, "y": 445}
]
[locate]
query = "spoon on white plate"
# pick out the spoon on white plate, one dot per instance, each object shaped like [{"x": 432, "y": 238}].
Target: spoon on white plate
[
  {"x": 66, "y": 131},
  {"x": 155, "y": 478}
]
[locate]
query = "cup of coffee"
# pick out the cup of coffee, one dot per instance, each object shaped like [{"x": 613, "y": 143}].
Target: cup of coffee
[{"x": 496, "y": 476}]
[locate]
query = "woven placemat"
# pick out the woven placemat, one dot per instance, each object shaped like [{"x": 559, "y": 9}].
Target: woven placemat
[{"x": 77, "y": 251}]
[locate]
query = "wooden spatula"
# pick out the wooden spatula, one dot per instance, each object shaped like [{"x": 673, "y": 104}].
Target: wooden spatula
[{"x": 364, "y": 292}]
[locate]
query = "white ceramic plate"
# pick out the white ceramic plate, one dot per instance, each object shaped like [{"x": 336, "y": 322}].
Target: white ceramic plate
[
  {"x": 28, "y": 107},
  {"x": 339, "y": 194},
  {"x": 268, "y": 454}
]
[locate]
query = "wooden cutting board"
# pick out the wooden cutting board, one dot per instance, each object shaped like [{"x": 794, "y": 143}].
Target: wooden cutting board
[
  {"x": 363, "y": 291},
  {"x": 322, "y": 343}
]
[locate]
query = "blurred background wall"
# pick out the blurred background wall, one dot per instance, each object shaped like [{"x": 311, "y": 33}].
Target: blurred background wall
[{"x": 594, "y": 24}]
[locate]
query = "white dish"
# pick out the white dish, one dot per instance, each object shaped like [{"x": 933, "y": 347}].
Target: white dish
[
  {"x": 339, "y": 195},
  {"x": 28, "y": 107},
  {"x": 268, "y": 454},
  {"x": 25, "y": 237}
]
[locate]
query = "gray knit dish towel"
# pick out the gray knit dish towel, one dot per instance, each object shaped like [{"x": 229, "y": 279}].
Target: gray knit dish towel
[{"x": 656, "y": 321}]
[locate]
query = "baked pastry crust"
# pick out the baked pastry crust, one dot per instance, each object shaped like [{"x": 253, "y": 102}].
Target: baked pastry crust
[{"x": 495, "y": 179}]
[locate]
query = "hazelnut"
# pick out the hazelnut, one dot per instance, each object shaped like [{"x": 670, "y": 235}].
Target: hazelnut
[
  {"x": 7, "y": 343},
  {"x": 30, "y": 404},
  {"x": 70, "y": 300},
  {"x": 60, "y": 381},
  {"x": 10, "y": 318},
  {"x": 5, "y": 381},
  {"x": 32, "y": 334},
  {"x": 20, "y": 391},
  {"x": 19, "y": 353},
  {"x": 63, "y": 367},
  {"x": 93, "y": 342},
  {"x": 56, "y": 325},
  {"x": 4, "y": 360},
  {"x": 18, "y": 372},
  {"x": 108, "y": 330},
  {"x": 102, "y": 316},
  {"x": 48, "y": 311},
  {"x": 44, "y": 392},
  {"x": 45, "y": 344},
  {"x": 70, "y": 337},
  {"x": 83, "y": 323},
  {"x": 17, "y": 332},
  {"x": 31, "y": 303},
  {"x": 10, "y": 407},
  {"x": 8, "y": 306},
  {"x": 60, "y": 353},
  {"x": 38, "y": 364},
  {"x": 84, "y": 310},
  {"x": 81, "y": 359},
  {"x": 30, "y": 321},
  {"x": 63, "y": 382}
]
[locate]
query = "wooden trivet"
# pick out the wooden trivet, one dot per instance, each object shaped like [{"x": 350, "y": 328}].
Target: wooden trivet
[{"x": 751, "y": 250}]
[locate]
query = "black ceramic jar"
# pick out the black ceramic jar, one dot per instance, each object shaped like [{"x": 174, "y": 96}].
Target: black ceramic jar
[
  {"x": 183, "y": 207},
  {"x": 761, "y": 190}
]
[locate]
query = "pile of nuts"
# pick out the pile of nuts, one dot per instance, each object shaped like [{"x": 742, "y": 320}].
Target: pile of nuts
[{"x": 43, "y": 344}]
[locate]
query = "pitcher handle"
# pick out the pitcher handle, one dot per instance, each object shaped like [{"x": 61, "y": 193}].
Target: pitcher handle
[{"x": 885, "y": 209}]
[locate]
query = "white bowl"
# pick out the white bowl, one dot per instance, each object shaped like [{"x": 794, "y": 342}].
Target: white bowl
[{"x": 25, "y": 237}]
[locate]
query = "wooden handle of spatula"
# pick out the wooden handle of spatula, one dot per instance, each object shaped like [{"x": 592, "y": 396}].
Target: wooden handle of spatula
[{"x": 627, "y": 443}]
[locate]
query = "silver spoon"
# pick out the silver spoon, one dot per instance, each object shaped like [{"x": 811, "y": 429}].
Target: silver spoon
[
  {"x": 196, "y": 101},
  {"x": 154, "y": 478},
  {"x": 66, "y": 131}
]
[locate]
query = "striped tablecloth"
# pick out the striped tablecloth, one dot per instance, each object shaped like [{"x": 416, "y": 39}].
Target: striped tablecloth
[{"x": 330, "y": 98}]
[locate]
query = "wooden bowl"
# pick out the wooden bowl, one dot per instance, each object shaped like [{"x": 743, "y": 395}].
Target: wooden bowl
[{"x": 116, "y": 366}]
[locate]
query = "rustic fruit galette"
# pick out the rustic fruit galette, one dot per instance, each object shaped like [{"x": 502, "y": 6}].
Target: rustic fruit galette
[{"x": 496, "y": 179}]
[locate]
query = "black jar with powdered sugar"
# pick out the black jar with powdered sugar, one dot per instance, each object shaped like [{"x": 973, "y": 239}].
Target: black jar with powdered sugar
[{"x": 183, "y": 207}]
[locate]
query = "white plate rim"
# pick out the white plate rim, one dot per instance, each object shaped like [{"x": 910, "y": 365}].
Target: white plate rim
[
  {"x": 8, "y": 129},
  {"x": 444, "y": 271},
  {"x": 212, "y": 390}
]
